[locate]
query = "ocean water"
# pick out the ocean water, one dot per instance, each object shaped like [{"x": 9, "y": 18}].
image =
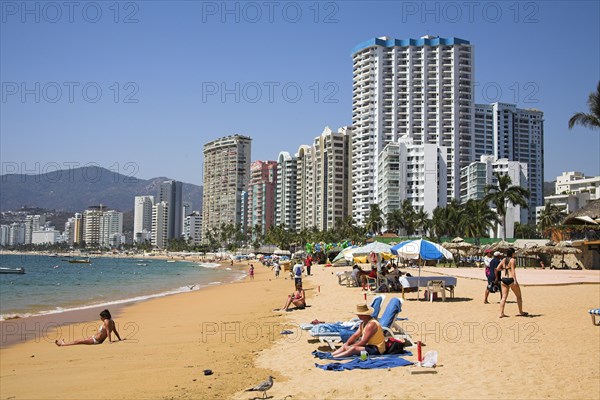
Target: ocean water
[{"x": 52, "y": 284}]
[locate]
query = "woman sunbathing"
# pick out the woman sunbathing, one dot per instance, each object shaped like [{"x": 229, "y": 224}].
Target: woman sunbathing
[
  {"x": 105, "y": 330},
  {"x": 369, "y": 336},
  {"x": 298, "y": 298}
]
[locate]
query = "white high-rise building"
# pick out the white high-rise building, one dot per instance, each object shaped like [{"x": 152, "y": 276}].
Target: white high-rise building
[
  {"x": 226, "y": 178},
  {"x": 16, "y": 234},
  {"x": 45, "y": 236},
  {"x": 33, "y": 223},
  {"x": 111, "y": 228},
  {"x": 415, "y": 88},
  {"x": 331, "y": 177},
  {"x": 142, "y": 218},
  {"x": 192, "y": 228},
  {"x": 514, "y": 134},
  {"x": 414, "y": 172},
  {"x": 160, "y": 224},
  {"x": 305, "y": 188},
  {"x": 477, "y": 175},
  {"x": 285, "y": 191}
]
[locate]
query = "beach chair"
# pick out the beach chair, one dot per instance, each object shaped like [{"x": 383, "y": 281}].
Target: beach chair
[
  {"x": 345, "y": 278},
  {"x": 389, "y": 324},
  {"x": 336, "y": 333},
  {"x": 436, "y": 287},
  {"x": 595, "y": 314},
  {"x": 371, "y": 283}
]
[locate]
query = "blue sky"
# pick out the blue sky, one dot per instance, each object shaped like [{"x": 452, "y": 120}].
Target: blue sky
[{"x": 139, "y": 87}]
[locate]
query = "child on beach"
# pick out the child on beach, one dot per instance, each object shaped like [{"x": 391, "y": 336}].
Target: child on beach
[
  {"x": 105, "y": 330},
  {"x": 277, "y": 269},
  {"x": 251, "y": 272}
]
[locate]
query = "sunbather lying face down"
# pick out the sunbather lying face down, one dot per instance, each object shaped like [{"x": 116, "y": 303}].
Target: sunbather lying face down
[{"x": 369, "y": 336}]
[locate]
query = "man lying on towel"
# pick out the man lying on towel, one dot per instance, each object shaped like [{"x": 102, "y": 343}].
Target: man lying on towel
[{"x": 368, "y": 337}]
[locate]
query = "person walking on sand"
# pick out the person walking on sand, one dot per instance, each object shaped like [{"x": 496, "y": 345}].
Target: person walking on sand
[
  {"x": 297, "y": 272},
  {"x": 277, "y": 268},
  {"x": 104, "y": 331},
  {"x": 509, "y": 282},
  {"x": 490, "y": 273},
  {"x": 251, "y": 272},
  {"x": 308, "y": 263}
]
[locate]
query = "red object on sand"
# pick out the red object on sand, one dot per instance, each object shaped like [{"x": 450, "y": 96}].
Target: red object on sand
[
  {"x": 319, "y": 289},
  {"x": 365, "y": 296},
  {"x": 419, "y": 351}
]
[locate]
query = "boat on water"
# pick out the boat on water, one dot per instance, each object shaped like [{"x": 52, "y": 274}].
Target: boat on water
[
  {"x": 81, "y": 261},
  {"x": 19, "y": 271}
]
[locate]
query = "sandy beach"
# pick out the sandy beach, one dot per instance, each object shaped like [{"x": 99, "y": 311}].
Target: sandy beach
[{"x": 232, "y": 330}]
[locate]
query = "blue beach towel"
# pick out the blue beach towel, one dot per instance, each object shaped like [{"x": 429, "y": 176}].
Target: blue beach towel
[
  {"x": 370, "y": 363},
  {"x": 325, "y": 355}
]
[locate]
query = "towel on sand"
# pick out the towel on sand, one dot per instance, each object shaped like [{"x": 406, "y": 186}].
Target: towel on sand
[
  {"x": 325, "y": 355},
  {"x": 369, "y": 363}
]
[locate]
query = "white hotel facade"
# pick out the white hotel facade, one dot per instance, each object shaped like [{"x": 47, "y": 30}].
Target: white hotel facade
[{"x": 420, "y": 89}]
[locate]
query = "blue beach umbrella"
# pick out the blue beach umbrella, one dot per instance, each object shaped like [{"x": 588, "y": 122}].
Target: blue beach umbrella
[{"x": 420, "y": 249}]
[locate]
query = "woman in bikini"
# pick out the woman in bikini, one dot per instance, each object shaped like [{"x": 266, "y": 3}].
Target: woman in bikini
[
  {"x": 105, "y": 330},
  {"x": 298, "y": 298},
  {"x": 509, "y": 281}
]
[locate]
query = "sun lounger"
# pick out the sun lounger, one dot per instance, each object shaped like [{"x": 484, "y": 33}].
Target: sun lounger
[
  {"x": 388, "y": 321},
  {"x": 338, "y": 332},
  {"x": 595, "y": 314}
]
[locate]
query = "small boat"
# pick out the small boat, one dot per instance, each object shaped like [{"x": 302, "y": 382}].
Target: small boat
[
  {"x": 81, "y": 261},
  {"x": 171, "y": 261},
  {"x": 142, "y": 264},
  {"x": 19, "y": 271}
]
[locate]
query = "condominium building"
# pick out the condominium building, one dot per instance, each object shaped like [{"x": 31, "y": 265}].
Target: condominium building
[
  {"x": 33, "y": 223},
  {"x": 415, "y": 88},
  {"x": 192, "y": 228},
  {"x": 285, "y": 192},
  {"x": 577, "y": 182},
  {"x": 16, "y": 234},
  {"x": 4, "y": 235},
  {"x": 226, "y": 176},
  {"x": 45, "y": 236},
  {"x": 414, "y": 172},
  {"x": 261, "y": 195},
  {"x": 91, "y": 225},
  {"x": 171, "y": 193},
  {"x": 305, "y": 187},
  {"x": 573, "y": 190},
  {"x": 331, "y": 175},
  {"x": 77, "y": 228},
  {"x": 515, "y": 134},
  {"x": 476, "y": 176},
  {"x": 142, "y": 217},
  {"x": 111, "y": 228},
  {"x": 160, "y": 224}
]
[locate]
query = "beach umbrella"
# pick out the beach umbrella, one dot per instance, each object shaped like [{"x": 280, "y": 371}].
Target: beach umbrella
[
  {"x": 458, "y": 246},
  {"x": 501, "y": 246},
  {"x": 373, "y": 247},
  {"x": 421, "y": 249},
  {"x": 345, "y": 254}
]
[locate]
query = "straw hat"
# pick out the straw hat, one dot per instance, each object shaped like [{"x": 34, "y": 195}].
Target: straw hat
[{"x": 363, "y": 309}]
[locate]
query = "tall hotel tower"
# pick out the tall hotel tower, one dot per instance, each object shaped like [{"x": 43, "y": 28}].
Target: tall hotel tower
[
  {"x": 226, "y": 177},
  {"x": 419, "y": 89}
]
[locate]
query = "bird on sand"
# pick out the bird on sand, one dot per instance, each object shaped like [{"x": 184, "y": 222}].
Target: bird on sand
[{"x": 263, "y": 386}]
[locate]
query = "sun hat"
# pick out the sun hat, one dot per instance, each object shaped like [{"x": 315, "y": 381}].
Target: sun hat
[
  {"x": 497, "y": 253},
  {"x": 363, "y": 309}
]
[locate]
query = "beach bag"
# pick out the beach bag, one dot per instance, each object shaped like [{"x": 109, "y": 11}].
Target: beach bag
[{"x": 394, "y": 346}]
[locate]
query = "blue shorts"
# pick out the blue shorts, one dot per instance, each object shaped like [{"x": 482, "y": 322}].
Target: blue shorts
[{"x": 372, "y": 350}]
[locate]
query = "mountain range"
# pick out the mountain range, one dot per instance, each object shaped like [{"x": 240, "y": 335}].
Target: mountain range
[{"x": 78, "y": 188}]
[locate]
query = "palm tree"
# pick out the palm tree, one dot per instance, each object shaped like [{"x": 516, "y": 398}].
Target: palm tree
[
  {"x": 422, "y": 221},
  {"x": 408, "y": 217},
  {"x": 480, "y": 219},
  {"x": 374, "y": 221},
  {"x": 394, "y": 221},
  {"x": 591, "y": 120},
  {"x": 549, "y": 217},
  {"x": 503, "y": 194}
]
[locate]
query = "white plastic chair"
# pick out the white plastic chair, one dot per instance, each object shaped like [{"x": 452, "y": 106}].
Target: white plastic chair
[{"x": 436, "y": 287}]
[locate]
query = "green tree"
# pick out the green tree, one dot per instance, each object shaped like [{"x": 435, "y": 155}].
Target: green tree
[
  {"x": 374, "y": 221},
  {"x": 550, "y": 217},
  {"x": 591, "y": 119},
  {"x": 422, "y": 221},
  {"x": 478, "y": 219},
  {"x": 504, "y": 193}
]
